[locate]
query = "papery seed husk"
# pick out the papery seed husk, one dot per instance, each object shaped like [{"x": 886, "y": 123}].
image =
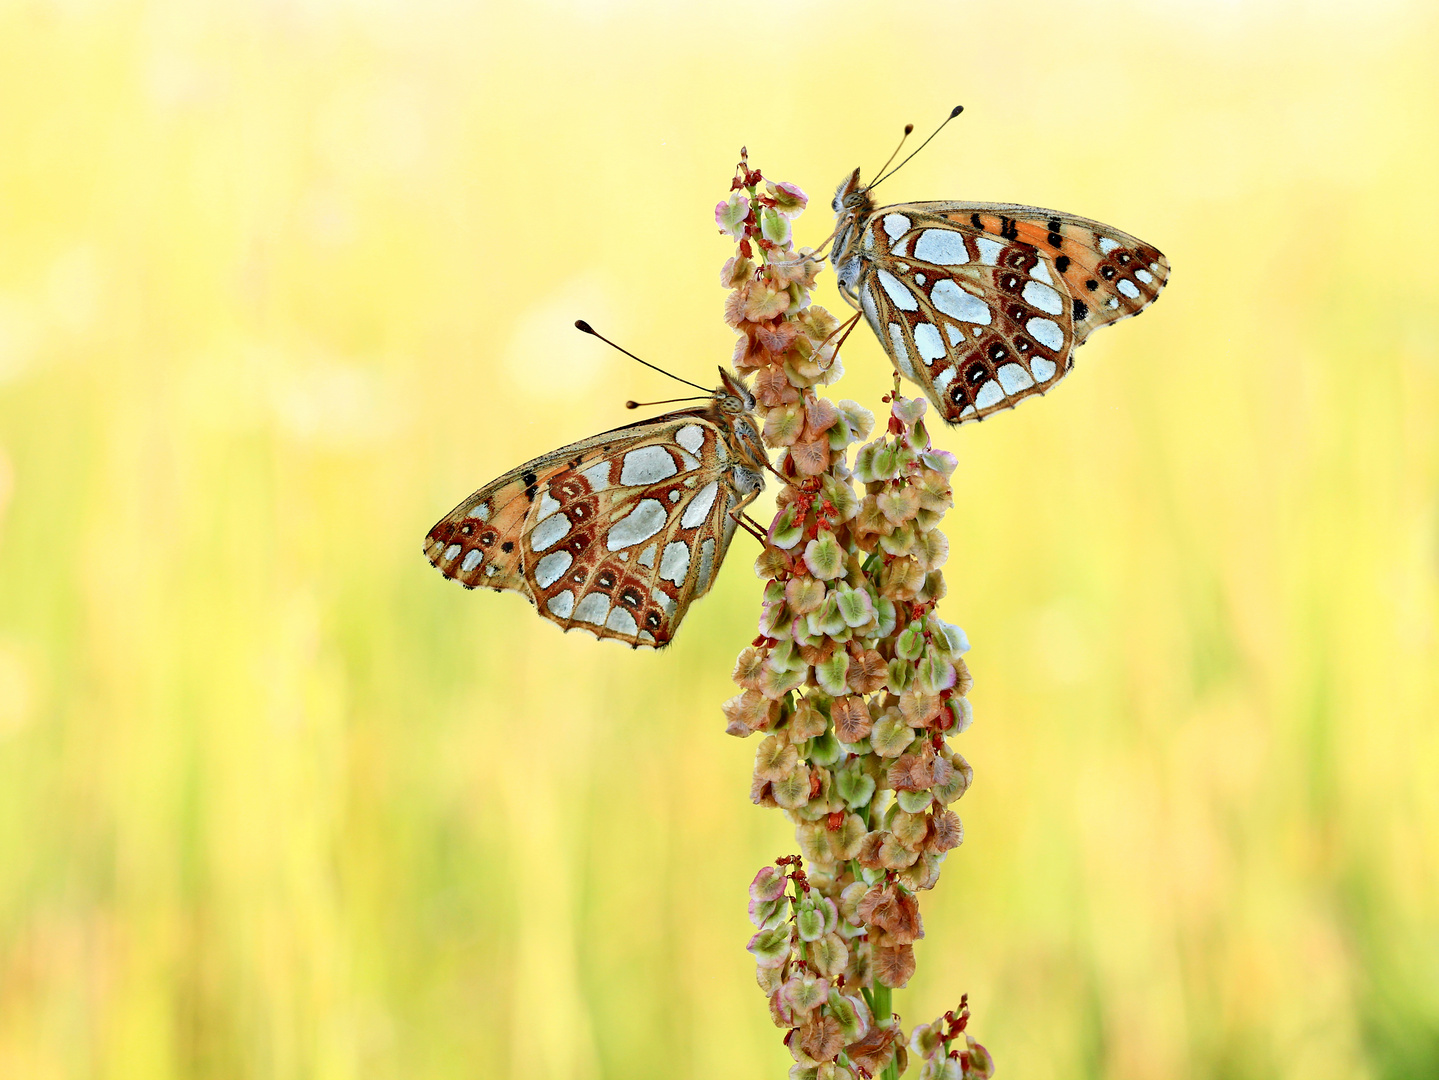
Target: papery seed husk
[{"x": 947, "y": 832}]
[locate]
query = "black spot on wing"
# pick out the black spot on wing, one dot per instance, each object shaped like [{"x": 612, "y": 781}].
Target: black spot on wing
[{"x": 1062, "y": 263}]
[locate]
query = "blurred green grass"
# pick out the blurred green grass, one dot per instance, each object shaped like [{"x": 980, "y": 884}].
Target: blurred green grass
[{"x": 279, "y": 283}]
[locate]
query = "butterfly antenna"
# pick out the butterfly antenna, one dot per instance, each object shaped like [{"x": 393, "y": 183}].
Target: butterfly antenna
[
  {"x": 908, "y": 131},
  {"x": 580, "y": 324},
  {"x": 952, "y": 114},
  {"x": 666, "y": 401}
]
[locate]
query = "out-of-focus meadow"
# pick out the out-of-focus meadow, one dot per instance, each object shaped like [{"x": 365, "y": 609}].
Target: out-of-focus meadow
[{"x": 281, "y": 282}]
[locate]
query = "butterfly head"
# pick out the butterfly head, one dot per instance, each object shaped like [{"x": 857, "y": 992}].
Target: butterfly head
[
  {"x": 852, "y": 195},
  {"x": 732, "y": 396}
]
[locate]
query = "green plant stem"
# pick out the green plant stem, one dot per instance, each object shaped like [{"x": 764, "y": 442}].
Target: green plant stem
[{"x": 880, "y": 1006}]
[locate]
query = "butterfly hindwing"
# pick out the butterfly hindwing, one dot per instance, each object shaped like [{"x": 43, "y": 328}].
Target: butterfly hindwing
[
  {"x": 616, "y": 534},
  {"x": 620, "y": 544},
  {"x": 983, "y": 304}
]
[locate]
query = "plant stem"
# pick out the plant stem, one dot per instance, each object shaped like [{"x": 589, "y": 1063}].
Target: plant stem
[{"x": 880, "y": 1006}]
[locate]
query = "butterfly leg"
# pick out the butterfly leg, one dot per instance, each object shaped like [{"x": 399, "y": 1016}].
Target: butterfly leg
[
  {"x": 744, "y": 521},
  {"x": 843, "y": 328}
]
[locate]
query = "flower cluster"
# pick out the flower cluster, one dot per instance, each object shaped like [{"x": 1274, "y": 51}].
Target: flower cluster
[{"x": 854, "y": 683}]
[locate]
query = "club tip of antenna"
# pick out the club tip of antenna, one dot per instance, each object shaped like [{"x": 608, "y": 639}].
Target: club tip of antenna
[
  {"x": 909, "y": 129},
  {"x": 956, "y": 111},
  {"x": 632, "y": 404},
  {"x": 580, "y": 324}
]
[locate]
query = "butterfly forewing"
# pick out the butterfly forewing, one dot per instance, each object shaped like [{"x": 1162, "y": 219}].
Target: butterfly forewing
[
  {"x": 983, "y": 304},
  {"x": 616, "y": 534}
]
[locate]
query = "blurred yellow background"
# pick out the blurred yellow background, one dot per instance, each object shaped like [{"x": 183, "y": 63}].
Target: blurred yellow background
[{"x": 281, "y": 282}]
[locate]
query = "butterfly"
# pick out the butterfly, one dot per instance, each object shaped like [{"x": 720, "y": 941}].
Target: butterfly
[
  {"x": 619, "y": 533},
  {"x": 983, "y": 304}
]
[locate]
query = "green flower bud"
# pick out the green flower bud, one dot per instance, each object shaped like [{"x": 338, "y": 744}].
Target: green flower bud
[
  {"x": 910, "y": 644},
  {"x": 824, "y": 556},
  {"x": 788, "y": 528},
  {"x": 934, "y": 674},
  {"x": 901, "y": 675},
  {"x": 913, "y": 802},
  {"x": 830, "y": 674},
  {"x": 856, "y": 788},
  {"x": 770, "y": 948},
  {"x": 824, "y": 750},
  {"x": 891, "y": 735}
]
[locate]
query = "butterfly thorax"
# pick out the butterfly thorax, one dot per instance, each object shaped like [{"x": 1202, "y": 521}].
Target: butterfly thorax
[
  {"x": 733, "y": 408},
  {"x": 852, "y": 206}
]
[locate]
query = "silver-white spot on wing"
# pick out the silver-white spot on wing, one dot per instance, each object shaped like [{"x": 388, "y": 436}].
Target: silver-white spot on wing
[
  {"x": 451, "y": 552},
  {"x": 639, "y": 524},
  {"x": 1127, "y": 288},
  {"x": 472, "y": 559},
  {"x": 707, "y": 565},
  {"x": 902, "y": 358},
  {"x": 1144, "y": 276},
  {"x": 1046, "y": 332},
  {"x": 547, "y": 505},
  {"x": 899, "y": 295},
  {"x": 968, "y": 410},
  {"x": 561, "y": 604},
  {"x": 622, "y": 621},
  {"x": 647, "y": 465},
  {"x": 662, "y": 599},
  {"x": 691, "y": 437},
  {"x": 1107, "y": 245},
  {"x": 549, "y": 569},
  {"x": 698, "y": 508},
  {"x": 869, "y": 306},
  {"x": 479, "y": 510},
  {"x": 548, "y": 532},
  {"x": 598, "y": 476},
  {"x": 988, "y": 250},
  {"x": 647, "y": 556},
  {"x": 675, "y": 562},
  {"x": 954, "y": 333},
  {"x": 592, "y": 608},
  {"x": 895, "y": 226},
  {"x": 989, "y": 394},
  {"x": 927, "y": 341},
  {"x": 958, "y": 304},
  {"x": 1014, "y": 378},
  {"x": 1043, "y": 369},
  {"x": 943, "y": 379},
  {"x": 1043, "y": 297},
  {"x": 941, "y": 246},
  {"x": 1041, "y": 272}
]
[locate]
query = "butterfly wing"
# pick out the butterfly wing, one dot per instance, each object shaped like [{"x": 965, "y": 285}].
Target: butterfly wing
[
  {"x": 983, "y": 304},
  {"x": 616, "y": 534}
]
